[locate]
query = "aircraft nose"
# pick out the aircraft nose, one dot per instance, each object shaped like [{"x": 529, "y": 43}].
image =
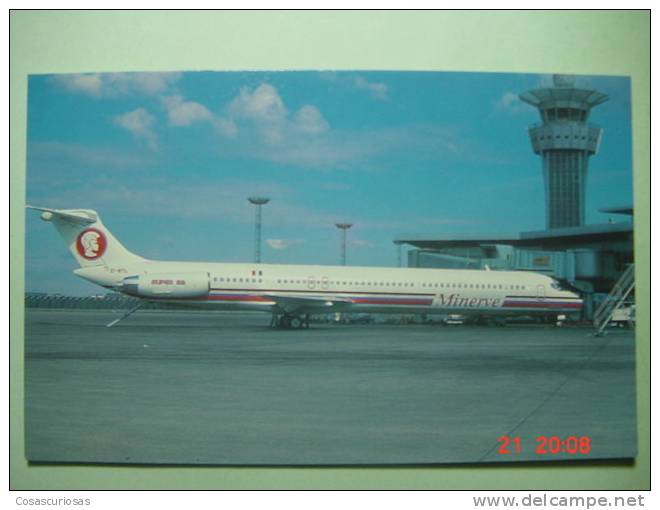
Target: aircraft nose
[{"x": 579, "y": 302}]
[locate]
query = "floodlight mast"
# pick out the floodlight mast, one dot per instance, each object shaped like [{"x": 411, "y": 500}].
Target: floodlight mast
[
  {"x": 343, "y": 227},
  {"x": 258, "y": 202}
]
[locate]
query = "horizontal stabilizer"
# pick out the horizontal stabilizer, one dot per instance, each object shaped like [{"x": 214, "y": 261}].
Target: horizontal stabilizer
[{"x": 75, "y": 216}]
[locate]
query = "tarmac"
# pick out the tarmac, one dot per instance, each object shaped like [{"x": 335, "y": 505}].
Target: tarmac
[{"x": 225, "y": 389}]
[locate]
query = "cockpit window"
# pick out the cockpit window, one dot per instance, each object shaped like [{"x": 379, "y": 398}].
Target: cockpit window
[{"x": 556, "y": 285}]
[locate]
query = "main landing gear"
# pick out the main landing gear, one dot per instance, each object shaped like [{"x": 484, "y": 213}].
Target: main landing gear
[{"x": 286, "y": 321}]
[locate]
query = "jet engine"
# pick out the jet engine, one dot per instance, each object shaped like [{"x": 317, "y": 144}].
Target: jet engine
[{"x": 167, "y": 285}]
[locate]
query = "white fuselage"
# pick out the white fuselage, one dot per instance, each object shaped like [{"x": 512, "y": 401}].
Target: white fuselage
[{"x": 367, "y": 289}]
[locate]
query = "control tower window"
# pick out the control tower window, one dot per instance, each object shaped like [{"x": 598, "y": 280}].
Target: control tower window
[
  {"x": 563, "y": 113},
  {"x": 574, "y": 114}
]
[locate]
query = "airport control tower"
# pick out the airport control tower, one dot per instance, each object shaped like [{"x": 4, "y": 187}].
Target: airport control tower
[{"x": 565, "y": 141}]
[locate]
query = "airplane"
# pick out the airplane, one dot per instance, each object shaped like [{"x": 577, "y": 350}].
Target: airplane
[{"x": 291, "y": 293}]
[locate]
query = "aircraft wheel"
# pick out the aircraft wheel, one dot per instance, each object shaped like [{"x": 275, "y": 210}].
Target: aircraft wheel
[
  {"x": 295, "y": 322},
  {"x": 285, "y": 322}
]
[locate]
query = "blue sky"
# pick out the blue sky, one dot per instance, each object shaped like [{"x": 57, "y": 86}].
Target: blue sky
[{"x": 168, "y": 160}]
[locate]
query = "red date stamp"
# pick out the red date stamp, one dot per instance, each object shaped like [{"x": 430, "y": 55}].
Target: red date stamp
[{"x": 547, "y": 445}]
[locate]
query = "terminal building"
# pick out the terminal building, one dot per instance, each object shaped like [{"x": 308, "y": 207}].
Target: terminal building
[{"x": 590, "y": 258}]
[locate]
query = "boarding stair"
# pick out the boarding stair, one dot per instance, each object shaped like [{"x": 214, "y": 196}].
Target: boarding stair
[{"x": 616, "y": 298}]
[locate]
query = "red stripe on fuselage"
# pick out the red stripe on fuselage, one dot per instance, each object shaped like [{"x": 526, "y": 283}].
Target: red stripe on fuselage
[
  {"x": 227, "y": 297},
  {"x": 541, "y": 304},
  {"x": 388, "y": 301}
]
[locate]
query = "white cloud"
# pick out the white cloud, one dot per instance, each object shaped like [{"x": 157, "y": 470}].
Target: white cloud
[
  {"x": 282, "y": 244},
  {"x": 116, "y": 84},
  {"x": 90, "y": 84},
  {"x": 510, "y": 102},
  {"x": 263, "y": 104},
  {"x": 377, "y": 90},
  {"x": 226, "y": 127},
  {"x": 183, "y": 113},
  {"x": 310, "y": 120},
  {"x": 140, "y": 124},
  {"x": 266, "y": 110},
  {"x": 147, "y": 83}
]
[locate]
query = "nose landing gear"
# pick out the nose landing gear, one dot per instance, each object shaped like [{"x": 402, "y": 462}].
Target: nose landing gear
[{"x": 288, "y": 321}]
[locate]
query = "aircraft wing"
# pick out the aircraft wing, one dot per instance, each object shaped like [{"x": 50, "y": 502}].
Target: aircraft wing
[{"x": 310, "y": 304}]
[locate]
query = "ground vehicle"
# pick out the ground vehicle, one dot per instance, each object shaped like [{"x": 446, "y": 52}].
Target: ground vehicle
[{"x": 623, "y": 316}]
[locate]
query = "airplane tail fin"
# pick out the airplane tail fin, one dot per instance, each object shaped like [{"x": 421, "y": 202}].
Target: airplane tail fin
[{"x": 89, "y": 241}]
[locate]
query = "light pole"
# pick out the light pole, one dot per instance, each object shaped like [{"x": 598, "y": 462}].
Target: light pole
[
  {"x": 258, "y": 202},
  {"x": 343, "y": 227}
]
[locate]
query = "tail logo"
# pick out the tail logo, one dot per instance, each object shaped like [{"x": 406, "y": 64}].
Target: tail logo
[{"x": 91, "y": 244}]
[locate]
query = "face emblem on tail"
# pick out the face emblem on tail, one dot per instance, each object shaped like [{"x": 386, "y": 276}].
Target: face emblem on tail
[{"x": 91, "y": 244}]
